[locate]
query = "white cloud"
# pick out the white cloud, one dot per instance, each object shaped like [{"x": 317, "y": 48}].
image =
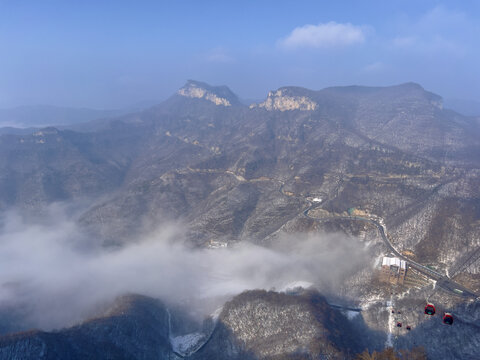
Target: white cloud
[
  {"x": 404, "y": 41},
  {"x": 326, "y": 35},
  {"x": 375, "y": 67},
  {"x": 60, "y": 276},
  {"x": 443, "y": 20},
  {"x": 439, "y": 30},
  {"x": 219, "y": 55},
  {"x": 430, "y": 44}
]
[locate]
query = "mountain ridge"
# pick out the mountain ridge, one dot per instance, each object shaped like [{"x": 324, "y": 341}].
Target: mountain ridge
[{"x": 233, "y": 174}]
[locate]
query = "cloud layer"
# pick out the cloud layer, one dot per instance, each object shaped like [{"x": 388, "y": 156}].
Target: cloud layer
[
  {"x": 327, "y": 35},
  {"x": 53, "y": 276}
]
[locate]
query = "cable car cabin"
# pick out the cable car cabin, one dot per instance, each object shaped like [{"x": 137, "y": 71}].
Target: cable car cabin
[
  {"x": 448, "y": 319},
  {"x": 409, "y": 327},
  {"x": 430, "y": 309},
  {"x": 399, "y": 324}
]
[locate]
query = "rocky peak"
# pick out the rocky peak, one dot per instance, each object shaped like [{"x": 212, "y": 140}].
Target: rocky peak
[
  {"x": 219, "y": 95},
  {"x": 287, "y": 98}
]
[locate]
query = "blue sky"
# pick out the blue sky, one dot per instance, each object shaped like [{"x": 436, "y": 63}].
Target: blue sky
[{"x": 112, "y": 54}]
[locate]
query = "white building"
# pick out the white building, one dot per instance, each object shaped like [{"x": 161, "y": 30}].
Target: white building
[{"x": 393, "y": 270}]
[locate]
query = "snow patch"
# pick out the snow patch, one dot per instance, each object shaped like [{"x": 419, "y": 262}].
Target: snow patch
[
  {"x": 368, "y": 301},
  {"x": 296, "y": 285},
  {"x": 377, "y": 261},
  {"x": 216, "y": 314},
  {"x": 351, "y": 314},
  {"x": 391, "y": 326},
  {"x": 187, "y": 344}
]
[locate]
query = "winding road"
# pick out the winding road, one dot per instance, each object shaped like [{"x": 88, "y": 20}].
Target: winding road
[{"x": 443, "y": 281}]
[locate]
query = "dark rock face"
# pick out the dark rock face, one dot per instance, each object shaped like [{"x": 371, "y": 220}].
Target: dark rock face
[
  {"x": 136, "y": 327},
  {"x": 253, "y": 325}
]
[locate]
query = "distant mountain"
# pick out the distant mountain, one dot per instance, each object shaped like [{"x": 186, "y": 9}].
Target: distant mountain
[
  {"x": 17, "y": 131},
  {"x": 465, "y": 107},
  {"x": 46, "y": 115},
  {"x": 37, "y": 116},
  {"x": 141, "y": 105}
]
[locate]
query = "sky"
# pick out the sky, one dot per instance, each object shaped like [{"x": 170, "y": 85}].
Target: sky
[{"x": 115, "y": 54}]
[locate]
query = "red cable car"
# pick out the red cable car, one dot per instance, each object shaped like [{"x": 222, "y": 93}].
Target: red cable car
[
  {"x": 399, "y": 324},
  {"x": 430, "y": 309},
  {"x": 447, "y": 318},
  {"x": 409, "y": 328}
]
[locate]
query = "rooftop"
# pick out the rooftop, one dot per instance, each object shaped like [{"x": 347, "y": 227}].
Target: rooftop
[{"x": 389, "y": 261}]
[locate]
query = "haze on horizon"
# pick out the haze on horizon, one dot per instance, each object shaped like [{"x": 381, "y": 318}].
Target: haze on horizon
[{"x": 115, "y": 54}]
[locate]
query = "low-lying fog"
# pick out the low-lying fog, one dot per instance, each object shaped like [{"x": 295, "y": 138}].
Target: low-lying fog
[{"x": 52, "y": 275}]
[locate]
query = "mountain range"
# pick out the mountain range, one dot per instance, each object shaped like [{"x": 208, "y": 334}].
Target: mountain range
[{"x": 234, "y": 173}]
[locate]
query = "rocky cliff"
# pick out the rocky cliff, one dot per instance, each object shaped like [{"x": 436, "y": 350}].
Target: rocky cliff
[
  {"x": 253, "y": 325},
  {"x": 135, "y": 327}
]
